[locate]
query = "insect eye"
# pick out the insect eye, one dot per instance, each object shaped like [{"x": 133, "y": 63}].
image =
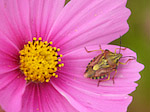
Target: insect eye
[{"x": 86, "y": 70}]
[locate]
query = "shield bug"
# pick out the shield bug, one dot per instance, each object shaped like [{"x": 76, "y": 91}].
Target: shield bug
[{"x": 102, "y": 65}]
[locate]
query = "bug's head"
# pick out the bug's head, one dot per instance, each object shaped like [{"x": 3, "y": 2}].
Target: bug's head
[
  {"x": 117, "y": 57},
  {"x": 106, "y": 50},
  {"x": 89, "y": 72},
  {"x": 113, "y": 58}
]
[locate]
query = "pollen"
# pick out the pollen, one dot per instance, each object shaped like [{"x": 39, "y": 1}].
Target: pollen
[{"x": 39, "y": 61}]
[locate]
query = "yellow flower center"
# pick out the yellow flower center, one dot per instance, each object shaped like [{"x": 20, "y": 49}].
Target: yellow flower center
[{"x": 39, "y": 61}]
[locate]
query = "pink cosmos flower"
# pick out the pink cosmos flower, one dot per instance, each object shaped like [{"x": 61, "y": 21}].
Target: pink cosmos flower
[{"x": 25, "y": 87}]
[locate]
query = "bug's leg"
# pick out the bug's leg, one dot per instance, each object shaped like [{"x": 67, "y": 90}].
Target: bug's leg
[
  {"x": 114, "y": 76},
  {"x": 103, "y": 80},
  {"x": 126, "y": 61},
  {"x": 98, "y": 83},
  {"x": 119, "y": 48},
  {"x": 94, "y": 50}
]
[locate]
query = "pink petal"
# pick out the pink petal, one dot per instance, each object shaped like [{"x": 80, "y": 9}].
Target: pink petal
[
  {"x": 44, "y": 98},
  {"x": 42, "y": 14},
  {"x": 23, "y": 19},
  {"x": 71, "y": 81},
  {"x": 7, "y": 67},
  {"x": 12, "y": 86},
  {"x": 13, "y": 24},
  {"x": 91, "y": 101},
  {"x": 76, "y": 62},
  {"x": 9, "y": 55},
  {"x": 88, "y": 22},
  {"x": 8, "y": 48}
]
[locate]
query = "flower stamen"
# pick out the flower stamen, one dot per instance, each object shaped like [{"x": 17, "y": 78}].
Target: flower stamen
[{"x": 39, "y": 61}]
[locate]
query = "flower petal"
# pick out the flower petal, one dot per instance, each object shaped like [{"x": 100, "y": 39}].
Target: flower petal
[
  {"x": 7, "y": 47},
  {"x": 76, "y": 62},
  {"x": 88, "y": 22},
  {"x": 23, "y": 19},
  {"x": 71, "y": 81},
  {"x": 44, "y": 98},
  {"x": 14, "y": 23},
  {"x": 43, "y": 14},
  {"x": 9, "y": 55},
  {"x": 12, "y": 86},
  {"x": 93, "y": 102}
]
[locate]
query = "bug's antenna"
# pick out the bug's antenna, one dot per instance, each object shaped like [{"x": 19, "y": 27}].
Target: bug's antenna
[
  {"x": 120, "y": 45},
  {"x": 129, "y": 56}
]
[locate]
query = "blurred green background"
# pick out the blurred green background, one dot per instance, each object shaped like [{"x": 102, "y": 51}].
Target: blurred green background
[{"x": 138, "y": 39}]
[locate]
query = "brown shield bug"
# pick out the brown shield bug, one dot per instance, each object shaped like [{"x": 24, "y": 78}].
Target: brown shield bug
[{"x": 102, "y": 65}]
